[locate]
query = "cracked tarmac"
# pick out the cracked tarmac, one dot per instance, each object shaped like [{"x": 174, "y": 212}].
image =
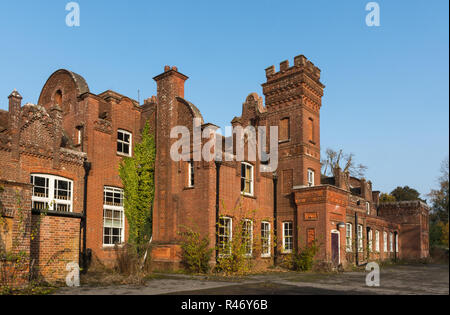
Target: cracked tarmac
[{"x": 395, "y": 280}]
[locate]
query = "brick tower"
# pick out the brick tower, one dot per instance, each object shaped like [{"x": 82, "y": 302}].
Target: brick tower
[{"x": 293, "y": 102}]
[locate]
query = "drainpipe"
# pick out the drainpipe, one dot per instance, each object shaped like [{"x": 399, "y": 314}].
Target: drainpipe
[
  {"x": 275, "y": 222},
  {"x": 218, "y": 164},
  {"x": 356, "y": 240},
  {"x": 87, "y": 168}
]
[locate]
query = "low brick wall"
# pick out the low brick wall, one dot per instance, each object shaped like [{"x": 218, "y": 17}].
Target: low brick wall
[{"x": 56, "y": 244}]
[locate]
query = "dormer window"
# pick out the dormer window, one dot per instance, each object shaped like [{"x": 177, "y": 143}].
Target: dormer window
[{"x": 124, "y": 139}]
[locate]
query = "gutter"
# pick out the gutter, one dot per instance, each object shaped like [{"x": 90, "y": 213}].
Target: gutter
[
  {"x": 83, "y": 257},
  {"x": 356, "y": 240},
  {"x": 218, "y": 164},
  {"x": 275, "y": 215}
]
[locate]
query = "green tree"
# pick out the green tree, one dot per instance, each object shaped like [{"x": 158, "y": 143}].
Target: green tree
[
  {"x": 405, "y": 194},
  {"x": 439, "y": 210},
  {"x": 439, "y": 197},
  {"x": 138, "y": 177},
  {"x": 387, "y": 198}
]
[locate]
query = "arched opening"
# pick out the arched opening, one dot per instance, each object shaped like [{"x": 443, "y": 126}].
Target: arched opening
[{"x": 58, "y": 97}]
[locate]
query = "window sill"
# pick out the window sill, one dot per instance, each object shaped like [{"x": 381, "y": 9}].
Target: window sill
[
  {"x": 61, "y": 214},
  {"x": 248, "y": 196},
  {"x": 188, "y": 188},
  {"x": 123, "y": 154},
  {"x": 284, "y": 141},
  {"x": 112, "y": 247}
]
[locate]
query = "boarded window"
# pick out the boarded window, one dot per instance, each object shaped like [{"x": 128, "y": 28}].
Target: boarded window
[
  {"x": 284, "y": 129},
  {"x": 5, "y": 234},
  {"x": 311, "y": 129},
  {"x": 311, "y": 236}
]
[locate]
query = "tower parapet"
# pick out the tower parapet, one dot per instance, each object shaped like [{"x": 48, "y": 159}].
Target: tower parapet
[{"x": 296, "y": 85}]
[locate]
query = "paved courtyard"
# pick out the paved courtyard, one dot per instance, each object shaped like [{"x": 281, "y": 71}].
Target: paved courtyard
[{"x": 403, "y": 279}]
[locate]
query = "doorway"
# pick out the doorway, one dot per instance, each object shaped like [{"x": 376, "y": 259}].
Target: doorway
[{"x": 335, "y": 244}]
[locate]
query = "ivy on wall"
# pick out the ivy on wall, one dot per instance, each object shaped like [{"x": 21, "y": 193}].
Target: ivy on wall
[{"x": 138, "y": 177}]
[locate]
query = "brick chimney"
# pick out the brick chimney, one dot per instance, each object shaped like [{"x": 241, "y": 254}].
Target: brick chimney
[
  {"x": 171, "y": 82},
  {"x": 341, "y": 179},
  {"x": 15, "y": 103},
  {"x": 170, "y": 85}
]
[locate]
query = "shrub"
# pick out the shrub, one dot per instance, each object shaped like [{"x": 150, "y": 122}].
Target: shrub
[
  {"x": 304, "y": 259},
  {"x": 234, "y": 257},
  {"x": 129, "y": 261},
  {"x": 196, "y": 252}
]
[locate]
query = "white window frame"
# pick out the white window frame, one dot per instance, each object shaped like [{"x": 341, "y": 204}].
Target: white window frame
[
  {"x": 114, "y": 208},
  {"x": 50, "y": 199},
  {"x": 311, "y": 178},
  {"x": 249, "y": 238},
  {"x": 396, "y": 243},
  {"x": 360, "y": 238},
  {"x": 79, "y": 136},
  {"x": 370, "y": 240},
  {"x": 385, "y": 241},
  {"x": 291, "y": 237},
  {"x": 130, "y": 144},
  {"x": 266, "y": 239},
  {"x": 191, "y": 174},
  {"x": 377, "y": 241},
  {"x": 368, "y": 207},
  {"x": 391, "y": 242},
  {"x": 222, "y": 252},
  {"x": 349, "y": 237},
  {"x": 246, "y": 180}
]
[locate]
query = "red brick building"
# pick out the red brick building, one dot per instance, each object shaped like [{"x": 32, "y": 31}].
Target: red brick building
[{"x": 66, "y": 150}]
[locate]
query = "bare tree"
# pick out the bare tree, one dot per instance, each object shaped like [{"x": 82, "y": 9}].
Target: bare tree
[{"x": 339, "y": 159}]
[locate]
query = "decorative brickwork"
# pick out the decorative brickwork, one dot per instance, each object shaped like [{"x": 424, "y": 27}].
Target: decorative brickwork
[{"x": 71, "y": 126}]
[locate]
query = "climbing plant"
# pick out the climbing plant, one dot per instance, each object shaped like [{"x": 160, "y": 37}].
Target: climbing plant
[{"x": 137, "y": 174}]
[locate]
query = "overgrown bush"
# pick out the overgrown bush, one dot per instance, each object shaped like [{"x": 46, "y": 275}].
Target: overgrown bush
[
  {"x": 234, "y": 257},
  {"x": 130, "y": 261},
  {"x": 196, "y": 252},
  {"x": 304, "y": 259}
]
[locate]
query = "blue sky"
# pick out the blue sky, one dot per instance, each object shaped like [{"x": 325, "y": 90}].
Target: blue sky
[{"x": 386, "y": 100}]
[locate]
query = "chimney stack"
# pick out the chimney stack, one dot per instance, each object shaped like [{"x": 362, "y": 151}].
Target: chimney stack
[{"x": 15, "y": 103}]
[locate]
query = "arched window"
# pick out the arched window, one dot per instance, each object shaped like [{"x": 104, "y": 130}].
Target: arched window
[
  {"x": 52, "y": 193},
  {"x": 58, "y": 98}
]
